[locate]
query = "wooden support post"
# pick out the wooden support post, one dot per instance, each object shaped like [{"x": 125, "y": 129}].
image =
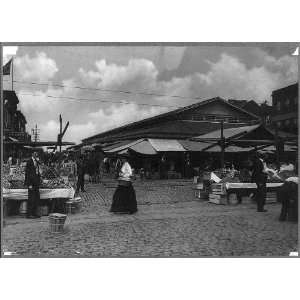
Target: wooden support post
[{"x": 222, "y": 144}]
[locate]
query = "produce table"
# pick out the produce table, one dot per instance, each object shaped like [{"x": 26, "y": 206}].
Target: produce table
[
  {"x": 22, "y": 194},
  {"x": 232, "y": 192},
  {"x": 250, "y": 185},
  {"x": 57, "y": 197}
]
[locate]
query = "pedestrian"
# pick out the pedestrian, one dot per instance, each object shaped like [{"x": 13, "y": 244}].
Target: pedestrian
[
  {"x": 124, "y": 198},
  {"x": 288, "y": 196},
  {"x": 260, "y": 178},
  {"x": 32, "y": 181},
  {"x": 81, "y": 170}
]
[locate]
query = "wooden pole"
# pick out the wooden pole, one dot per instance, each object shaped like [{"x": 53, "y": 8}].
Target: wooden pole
[{"x": 222, "y": 145}]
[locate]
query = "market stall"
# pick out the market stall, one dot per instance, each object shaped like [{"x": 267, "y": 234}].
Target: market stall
[
  {"x": 231, "y": 187},
  {"x": 54, "y": 190}
]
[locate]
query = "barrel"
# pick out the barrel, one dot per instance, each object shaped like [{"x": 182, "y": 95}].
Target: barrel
[
  {"x": 73, "y": 205},
  {"x": 56, "y": 222},
  {"x": 70, "y": 207}
]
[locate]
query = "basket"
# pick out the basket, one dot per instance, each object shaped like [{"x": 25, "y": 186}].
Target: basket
[
  {"x": 73, "y": 206},
  {"x": 56, "y": 222}
]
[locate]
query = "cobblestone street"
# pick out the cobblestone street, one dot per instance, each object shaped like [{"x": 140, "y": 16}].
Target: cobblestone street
[{"x": 170, "y": 222}]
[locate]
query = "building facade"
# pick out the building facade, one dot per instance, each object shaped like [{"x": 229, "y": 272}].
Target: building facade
[
  {"x": 285, "y": 108},
  {"x": 14, "y": 125}
]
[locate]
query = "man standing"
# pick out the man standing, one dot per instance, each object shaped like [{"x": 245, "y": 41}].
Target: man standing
[
  {"x": 80, "y": 173},
  {"x": 32, "y": 181},
  {"x": 260, "y": 178}
]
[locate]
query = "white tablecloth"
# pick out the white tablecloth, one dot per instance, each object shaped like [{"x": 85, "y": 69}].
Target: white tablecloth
[
  {"x": 250, "y": 185},
  {"x": 22, "y": 194}
]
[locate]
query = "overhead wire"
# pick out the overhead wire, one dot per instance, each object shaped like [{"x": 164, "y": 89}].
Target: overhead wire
[
  {"x": 101, "y": 90},
  {"x": 95, "y": 100}
]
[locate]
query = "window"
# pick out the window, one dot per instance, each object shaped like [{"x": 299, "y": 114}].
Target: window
[
  {"x": 278, "y": 105},
  {"x": 287, "y": 122},
  {"x": 287, "y": 102}
]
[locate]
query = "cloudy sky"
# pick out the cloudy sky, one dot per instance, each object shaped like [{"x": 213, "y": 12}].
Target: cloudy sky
[{"x": 105, "y": 72}]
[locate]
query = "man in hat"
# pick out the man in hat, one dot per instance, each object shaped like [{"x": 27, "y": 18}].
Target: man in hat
[
  {"x": 260, "y": 178},
  {"x": 32, "y": 181}
]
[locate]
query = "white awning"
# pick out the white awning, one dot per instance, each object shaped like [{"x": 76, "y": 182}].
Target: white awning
[
  {"x": 162, "y": 145},
  {"x": 144, "y": 147},
  {"x": 123, "y": 147}
]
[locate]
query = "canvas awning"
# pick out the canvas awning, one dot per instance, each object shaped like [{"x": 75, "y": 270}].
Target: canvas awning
[
  {"x": 144, "y": 147},
  {"x": 287, "y": 148},
  {"x": 164, "y": 145},
  {"x": 193, "y": 146},
  {"x": 230, "y": 149},
  {"x": 123, "y": 147}
]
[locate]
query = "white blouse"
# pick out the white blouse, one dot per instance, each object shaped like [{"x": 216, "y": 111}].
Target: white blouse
[{"x": 126, "y": 172}]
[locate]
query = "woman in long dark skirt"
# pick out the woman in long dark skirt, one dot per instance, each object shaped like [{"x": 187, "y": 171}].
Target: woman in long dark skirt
[{"x": 124, "y": 198}]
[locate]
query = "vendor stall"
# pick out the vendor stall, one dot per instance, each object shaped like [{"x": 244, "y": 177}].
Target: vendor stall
[
  {"x": 54, "y": 191},
  {"x": 233, "y": 192}
]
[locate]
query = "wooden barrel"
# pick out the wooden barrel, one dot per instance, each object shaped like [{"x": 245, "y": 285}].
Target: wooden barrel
[
  {"x": 56, "y": 222},
  {"x": 70, "y": 207}
]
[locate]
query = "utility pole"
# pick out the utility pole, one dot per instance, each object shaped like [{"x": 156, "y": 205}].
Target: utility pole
[{"x": 60, "y": 132}]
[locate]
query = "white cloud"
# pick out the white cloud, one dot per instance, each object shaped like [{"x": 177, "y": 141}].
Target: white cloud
[
  {"x": 115, "y": 116},
  {"x": 137, "y": 73},
  {"x": 227, "y": 77},
  {"x": 230, "y": 78},
  {"x": 40, "y": 68}
]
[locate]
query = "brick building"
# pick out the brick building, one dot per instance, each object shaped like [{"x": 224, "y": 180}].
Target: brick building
[
  {"x": 14, "y": 126},
  {"x": 285, "y": 108}
]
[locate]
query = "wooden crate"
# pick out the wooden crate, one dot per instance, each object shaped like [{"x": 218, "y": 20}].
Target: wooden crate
[
  {"x": 218, "y": 188},
  {"x": 217, "y": 199}
]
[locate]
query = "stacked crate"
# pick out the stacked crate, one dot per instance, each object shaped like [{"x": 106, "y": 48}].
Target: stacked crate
[{"x": 218, "y": 194}]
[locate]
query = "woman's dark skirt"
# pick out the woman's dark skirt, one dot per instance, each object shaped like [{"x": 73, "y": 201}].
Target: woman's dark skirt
[{"x": 124, "y": 200}]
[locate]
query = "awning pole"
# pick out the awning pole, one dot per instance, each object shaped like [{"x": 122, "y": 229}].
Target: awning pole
[{"x": 222, "y": 145}]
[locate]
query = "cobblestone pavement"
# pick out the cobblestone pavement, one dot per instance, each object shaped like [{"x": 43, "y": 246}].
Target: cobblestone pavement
[{"x": 170, "y": 223}]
